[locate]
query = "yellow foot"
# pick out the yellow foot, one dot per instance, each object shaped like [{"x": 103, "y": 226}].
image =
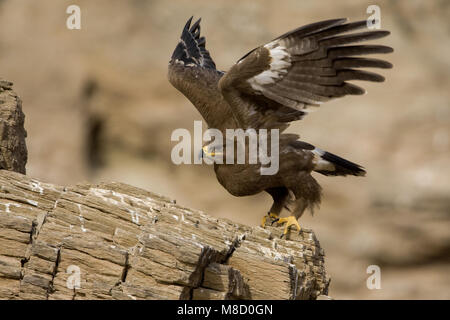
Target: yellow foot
[
  {"x": 290, "y": 221},
  {"x": 271, "y": 215}
]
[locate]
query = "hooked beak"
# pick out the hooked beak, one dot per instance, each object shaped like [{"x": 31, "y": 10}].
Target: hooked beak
[{"x": 205, "y": 152}]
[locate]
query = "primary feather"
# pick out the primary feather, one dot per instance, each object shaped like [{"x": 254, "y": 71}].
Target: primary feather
[{"x": 301, "y": 70}]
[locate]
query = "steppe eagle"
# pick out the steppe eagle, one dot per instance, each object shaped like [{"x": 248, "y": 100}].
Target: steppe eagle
[{"x": 271, "y": 86}]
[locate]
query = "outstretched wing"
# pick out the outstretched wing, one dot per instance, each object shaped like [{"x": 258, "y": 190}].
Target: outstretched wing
[
  {"x": 191, "y": 49},
  {"x": 193, "y": 72},
  {"x": 288, "y": 77}
]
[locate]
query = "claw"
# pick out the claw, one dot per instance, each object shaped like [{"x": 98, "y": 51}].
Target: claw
[
  {"x": 290, "y": 221},
  {"x": 269, "y": 215}
]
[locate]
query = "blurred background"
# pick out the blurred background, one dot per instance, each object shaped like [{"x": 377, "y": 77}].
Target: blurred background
[{"x": 99, "y": 108}]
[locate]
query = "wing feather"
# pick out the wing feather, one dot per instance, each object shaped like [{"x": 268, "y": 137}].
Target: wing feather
[
  {"x": 191, "y": 49},
  {"x": 301, "y": 69}
]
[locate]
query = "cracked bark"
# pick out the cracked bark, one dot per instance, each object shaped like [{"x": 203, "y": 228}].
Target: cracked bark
[{"x": 128, "y": 243}]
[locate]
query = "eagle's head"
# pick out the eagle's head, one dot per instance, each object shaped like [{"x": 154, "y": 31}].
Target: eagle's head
[
  {"x": 212, "y": 150},
  {"x": 218, "y": 151}
]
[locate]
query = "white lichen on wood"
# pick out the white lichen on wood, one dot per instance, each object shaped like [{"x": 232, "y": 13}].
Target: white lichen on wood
[{"x": 132, "y": 244}]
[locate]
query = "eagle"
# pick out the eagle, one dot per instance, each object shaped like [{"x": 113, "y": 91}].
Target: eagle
[{"x": 270, "y": 87}]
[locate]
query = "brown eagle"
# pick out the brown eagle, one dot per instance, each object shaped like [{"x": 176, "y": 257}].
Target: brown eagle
[{"x": 268, "y": 88}]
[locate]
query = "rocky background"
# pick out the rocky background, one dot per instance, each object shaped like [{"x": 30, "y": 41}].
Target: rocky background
[{"x": 99, "y": 107}]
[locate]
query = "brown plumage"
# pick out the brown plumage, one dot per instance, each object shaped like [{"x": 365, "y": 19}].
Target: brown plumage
[{"x": 270, "y": 87}]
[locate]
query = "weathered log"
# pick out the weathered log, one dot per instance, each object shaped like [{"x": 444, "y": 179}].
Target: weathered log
[
  {"x": 115, "y": 241},
  {"x": 13, "y": 150}
]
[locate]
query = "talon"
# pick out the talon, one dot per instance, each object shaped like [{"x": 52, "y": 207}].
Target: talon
[
  {"x": 269, "y": 215},
  {"x": 290, "y": 221}
]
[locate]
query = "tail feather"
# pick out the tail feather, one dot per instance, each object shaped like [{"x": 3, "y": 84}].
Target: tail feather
[{"x": 330, "y": 164}]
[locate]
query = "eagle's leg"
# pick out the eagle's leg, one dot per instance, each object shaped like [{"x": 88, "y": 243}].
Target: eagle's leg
[
  {"x": 292, "y": 220},
  {"x": 279, "y": 196},
  {"x": 271, "y": 215}
]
